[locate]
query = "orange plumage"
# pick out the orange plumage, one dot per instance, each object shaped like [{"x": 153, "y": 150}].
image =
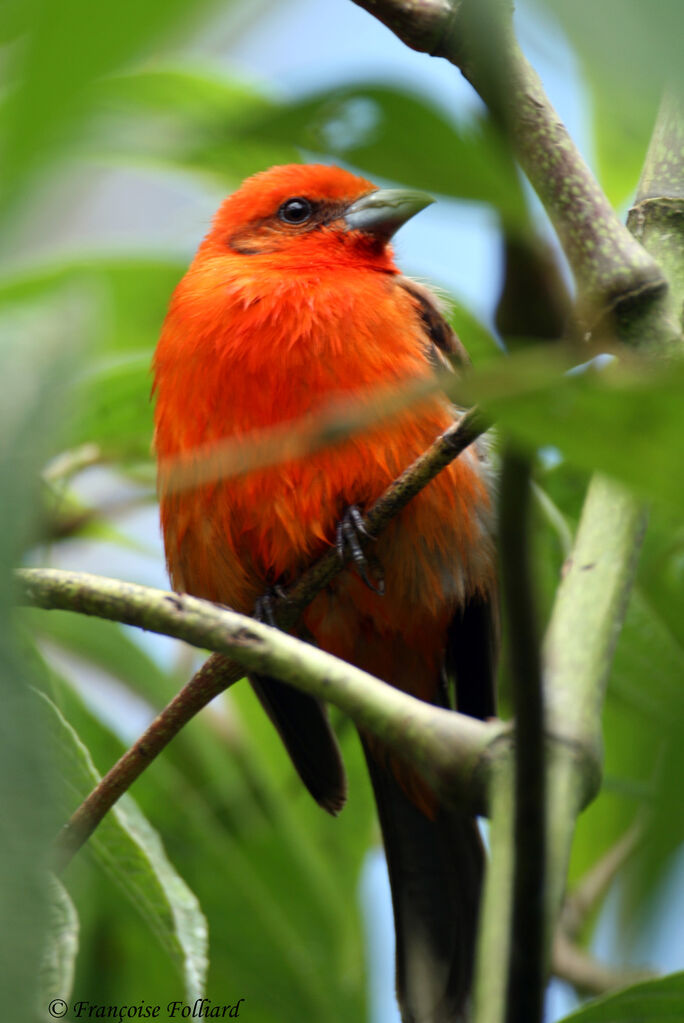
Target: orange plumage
[{"x": 284, "y": 309}]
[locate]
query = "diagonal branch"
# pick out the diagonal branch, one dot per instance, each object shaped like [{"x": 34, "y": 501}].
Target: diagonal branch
[
  {"x": 592, "y": 887},
  {"x": 204, "y": 624},
  {"x": 570, "y": 961},
  {"x": 586, "y": 974},
  {"x": 613, "y": 272},
  {"x": 444, "y": 745}
]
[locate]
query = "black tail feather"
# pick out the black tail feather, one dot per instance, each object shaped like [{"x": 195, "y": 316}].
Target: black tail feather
[
  {"x": 435, "y": 869},
  {"x": 307, "y": 736}
]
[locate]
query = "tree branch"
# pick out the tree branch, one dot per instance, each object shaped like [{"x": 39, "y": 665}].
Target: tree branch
[
  {"x": 592, "y": 887},
  {"x": 612, "y": 270},
  {"x": 495, "y": 932},
  {"x": 571, "y": 962},
  {"x": 445, "y": 746},
  {"x": 621, "y": 288},
  {"x": 588, "y": 975},
  {"x": 205, "y": 625},
  {"x": 585, "y": 624}
]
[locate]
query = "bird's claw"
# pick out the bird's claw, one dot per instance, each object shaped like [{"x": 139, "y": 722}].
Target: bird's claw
[
  {"x": 264, "y": 606},
  {"x": 347, "y": 542}
]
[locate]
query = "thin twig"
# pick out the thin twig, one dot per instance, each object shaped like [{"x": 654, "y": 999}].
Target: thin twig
[
  {"x": 441, "y": 453},
  {"x": 441, "y": 744},
  {"x": 194, "y": 620},
  {"x": 571, "y": 962},
  {"x": 589, "y": 976},
  {"x": 591, "y": 888}
]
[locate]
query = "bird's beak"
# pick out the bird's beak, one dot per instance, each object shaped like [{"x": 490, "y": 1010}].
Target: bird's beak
[{"x": 383, "y": 212}]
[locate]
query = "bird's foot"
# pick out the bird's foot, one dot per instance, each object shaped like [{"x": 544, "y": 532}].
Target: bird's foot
[
  {"x": 264, "y": 606},
  {"x": 348, "y": 541}
]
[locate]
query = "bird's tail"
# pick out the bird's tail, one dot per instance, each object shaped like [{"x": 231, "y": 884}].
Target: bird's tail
[
  {"x": 303, "y": 726},
  {"x": 435, "y": 869}
]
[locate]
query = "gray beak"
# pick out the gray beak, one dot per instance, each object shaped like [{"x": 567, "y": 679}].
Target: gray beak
[{"x": 383, "y": 212}]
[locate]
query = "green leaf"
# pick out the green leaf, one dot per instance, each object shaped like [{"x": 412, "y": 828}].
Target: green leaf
[
  {"x": 205, "y": 123},
  {"x": 35, "y": 357},
  {"x": 184, "y": 92},
  {"x": 64, "y": 49},
  {"x": 107, "y": 645},
  {"x": 394, "y": 134},
  {"x": 642, "y": 726},
  {"x": 113, "y": 408},
  {"x": 130, "y": 851},
  {"x": 621, "y": 134},
  {"x": 188, "y": 119},
  {"x": 629, "y": 50},
  {"x": 108, "y": 398},
  {"x": 273, "y": 872},
  {"x": 625, "y": 421},
  {"x": 480, "y": 342},
  {"x": 653, "y": 1001},
  {"x": 56, "y": 977},
  {"x": 134, "y": 291}
]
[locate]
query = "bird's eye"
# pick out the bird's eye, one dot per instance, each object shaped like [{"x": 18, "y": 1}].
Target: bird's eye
[{"x": 295, "y": 211}]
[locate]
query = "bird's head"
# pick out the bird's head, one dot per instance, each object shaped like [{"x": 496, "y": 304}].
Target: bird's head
[{"x": 306, "y": 215}]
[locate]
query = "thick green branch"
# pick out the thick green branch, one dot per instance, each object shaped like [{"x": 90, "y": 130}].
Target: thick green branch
[
  {"x": 611, "y": 269},
  {"x": 448, "y": 748},
  {"x": 578, "y": 651},
  {"x": 495, "y": 932}
]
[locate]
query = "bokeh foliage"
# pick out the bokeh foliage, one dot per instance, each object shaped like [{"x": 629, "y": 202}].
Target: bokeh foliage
[{"x": 243, "y": 847}]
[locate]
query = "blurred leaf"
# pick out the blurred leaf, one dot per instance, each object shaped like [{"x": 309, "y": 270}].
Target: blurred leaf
[
  {"x": 133, "y": 291},
  {"x": 275, "y": 874},
  {"x": 190, "y": 119},
  {"x": 206, "y": 98},
  {"x": 130, "y": 851},
  {"x": 661, "y": 570},
  {"x": 478, "y": 339},
  {"x": 642, "y": 726},
  {"x": 36, "y": 348},
  {"x": 113, "y": 408},
  {"x": 654, "y": 1001},
  {"x": 658, "y": 662},
  {"x": 395, "y": 134},
  {"x": 621, "y": 133},
  {"x": 59, "y": 959},
  {"x": 65, "y": 48},
  {"x": 629, "y": 49},
  {"x": 208, "y": 124},
  {"x": 107, "y": 645},
  {"x": 109, "y": 398},
  {"x": 625, "y": 421}
]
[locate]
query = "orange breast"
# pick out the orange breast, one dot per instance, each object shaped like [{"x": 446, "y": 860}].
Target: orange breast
[{"x": 230, "y": 362}]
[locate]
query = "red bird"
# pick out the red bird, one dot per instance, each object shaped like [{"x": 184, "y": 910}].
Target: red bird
[{"x": 292, "y": 301}]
